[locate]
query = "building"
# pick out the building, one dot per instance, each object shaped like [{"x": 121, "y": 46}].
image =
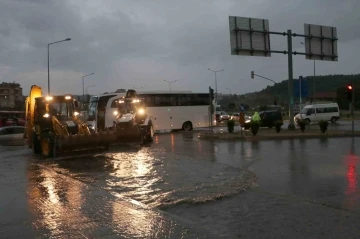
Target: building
[
  {"x": 328, "y": 96},
  {"x": 10, "y": 95}
]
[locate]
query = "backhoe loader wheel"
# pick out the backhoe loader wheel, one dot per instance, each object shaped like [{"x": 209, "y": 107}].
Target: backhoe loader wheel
[
  {"x": 187, "y": 126},
  {"x": 36, "y": 143},
  {"x": 46, "y": 146}
]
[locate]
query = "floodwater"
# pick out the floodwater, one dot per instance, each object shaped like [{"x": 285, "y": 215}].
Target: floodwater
[
  {"x": 182, "y": 187},
  {"x": 160, "y": 177}
]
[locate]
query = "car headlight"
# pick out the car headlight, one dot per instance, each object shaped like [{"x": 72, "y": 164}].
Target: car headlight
[
  {"x": 141, "y": 111},
  {"x": 247, "y": 121}
]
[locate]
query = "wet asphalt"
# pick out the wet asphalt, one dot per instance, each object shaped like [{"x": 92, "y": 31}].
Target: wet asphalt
[{"x": 183, "y": 187}]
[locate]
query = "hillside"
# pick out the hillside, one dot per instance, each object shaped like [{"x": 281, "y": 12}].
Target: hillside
[
  {"x": 279, "y": 91},
  {"x": 328, "y": 83}
]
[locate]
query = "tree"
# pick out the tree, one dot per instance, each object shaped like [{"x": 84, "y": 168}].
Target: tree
[
  {"x": 120, "y": 91},
  {"x": 231, "y": 106}
]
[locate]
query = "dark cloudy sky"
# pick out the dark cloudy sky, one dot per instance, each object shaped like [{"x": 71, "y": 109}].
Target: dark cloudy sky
[{"x": 141, "y": 43}]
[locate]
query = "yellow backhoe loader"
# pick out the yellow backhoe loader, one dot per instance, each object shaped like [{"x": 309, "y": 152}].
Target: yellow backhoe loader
[{"x": 53, "y": 126}]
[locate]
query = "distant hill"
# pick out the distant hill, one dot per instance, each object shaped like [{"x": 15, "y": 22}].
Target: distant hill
[
  {"x": 327, "y": 83},
  {"x": 279, "y": 91}
]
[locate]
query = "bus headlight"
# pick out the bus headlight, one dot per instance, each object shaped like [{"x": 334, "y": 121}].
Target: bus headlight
[
  {"x": 115, "y": 112},
  {"x": 46, "y": 115},
  {"x": 141, "y": 111}
]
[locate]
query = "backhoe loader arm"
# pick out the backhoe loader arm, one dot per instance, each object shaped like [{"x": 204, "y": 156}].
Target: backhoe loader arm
[
  {"x": 83, "y": 128},
  {"x": 59, "y": 128},
  {"x": 35, "y": 91}
]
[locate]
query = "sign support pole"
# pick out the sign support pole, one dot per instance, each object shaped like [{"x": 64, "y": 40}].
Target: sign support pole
[
  {"x": 211, "y": 111},
  {"x": 291, "y": 125},
  {"x": 300, "y": 89}
]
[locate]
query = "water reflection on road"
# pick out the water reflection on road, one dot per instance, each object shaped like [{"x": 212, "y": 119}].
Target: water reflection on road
[
  {"x": 320, "y": 169},
  {"x": 83, "y": 195},
  {"x": 66, "y": 208}
]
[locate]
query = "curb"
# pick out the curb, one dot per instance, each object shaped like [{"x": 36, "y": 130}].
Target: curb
[{"x": 279, "y": 136}]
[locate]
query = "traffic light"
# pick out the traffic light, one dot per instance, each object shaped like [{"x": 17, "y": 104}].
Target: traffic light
[
  {"x": 349, "y": 92},
  {"x": 211, "y": 91},
  {"x": 252, "y": 74}
]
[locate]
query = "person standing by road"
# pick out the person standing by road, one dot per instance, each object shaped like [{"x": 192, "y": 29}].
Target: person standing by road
[{"x": 256, "y": 117}]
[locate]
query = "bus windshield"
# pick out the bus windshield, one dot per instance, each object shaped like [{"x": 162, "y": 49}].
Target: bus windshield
[{"x": 92, "y": 106}]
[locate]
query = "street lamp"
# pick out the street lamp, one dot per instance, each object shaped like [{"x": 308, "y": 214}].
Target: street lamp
[
  {"x": 215, "y": 82},
  {"x": 83, "y": 83},
  {"x": 170, "y": 82},
  {"x": 314, "y": 77},
  {"x": 48, "y": 46},
  {"x": 88, "y": 87}
]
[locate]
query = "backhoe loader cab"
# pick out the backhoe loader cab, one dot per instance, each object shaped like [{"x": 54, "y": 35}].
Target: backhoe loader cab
[
  {"x": 132, "y": 122},
  {"x": 52, "y": 110}
]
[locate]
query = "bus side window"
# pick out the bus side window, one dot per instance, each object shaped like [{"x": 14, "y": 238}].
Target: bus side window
[
  {"x": 184, "y": 100},
  {"x": 204, "y": 99},
  {"x": 319, "y": 110},
  {"x": 195, "y": 100},
  {"x": 160, "y": 101},
  {"x": 172, "y": 100}
]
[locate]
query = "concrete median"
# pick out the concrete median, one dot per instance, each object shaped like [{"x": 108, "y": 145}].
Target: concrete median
[{"x": 270, "y": 134}]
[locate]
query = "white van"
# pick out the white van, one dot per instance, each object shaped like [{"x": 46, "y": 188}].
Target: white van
[{"x": 317, "y": 112}]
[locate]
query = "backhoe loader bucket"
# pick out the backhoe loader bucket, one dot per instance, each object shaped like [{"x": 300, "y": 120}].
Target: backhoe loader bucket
[
  {"x": 127, "y": 133},
  {"x": 74, "y": 144}
]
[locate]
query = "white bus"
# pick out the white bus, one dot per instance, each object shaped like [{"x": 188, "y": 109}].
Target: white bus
[
  {"x": 171, "y": 110},
  {"x": 102, "y": 111}
]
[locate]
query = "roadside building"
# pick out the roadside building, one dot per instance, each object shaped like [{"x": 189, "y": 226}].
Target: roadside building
[{"x": 10, "y": 95}]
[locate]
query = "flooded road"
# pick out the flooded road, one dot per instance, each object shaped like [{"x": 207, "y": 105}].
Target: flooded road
[{"x": 181, "y": 187}]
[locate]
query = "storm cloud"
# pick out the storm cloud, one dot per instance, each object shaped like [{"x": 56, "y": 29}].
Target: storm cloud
[{"x": 138, "y": 43}]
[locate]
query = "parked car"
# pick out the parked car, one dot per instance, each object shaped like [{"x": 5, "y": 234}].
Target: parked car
[
  {"x": 235, "y": 116},
  {"x": 268, "y": 119},
  {"x": 12, "y": 135},
  {"x": 221, "y": 115},
  {"x": 224, "y": 116}
]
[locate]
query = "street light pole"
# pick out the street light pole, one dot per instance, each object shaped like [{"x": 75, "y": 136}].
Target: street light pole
[
  {"x": 170, "y": 82},
  {"x": 48, "y": 51},
  {"x": 229, "y": 90},
  {"x": 83, "y": 97},
  {"x": 216, "y": 91}
]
